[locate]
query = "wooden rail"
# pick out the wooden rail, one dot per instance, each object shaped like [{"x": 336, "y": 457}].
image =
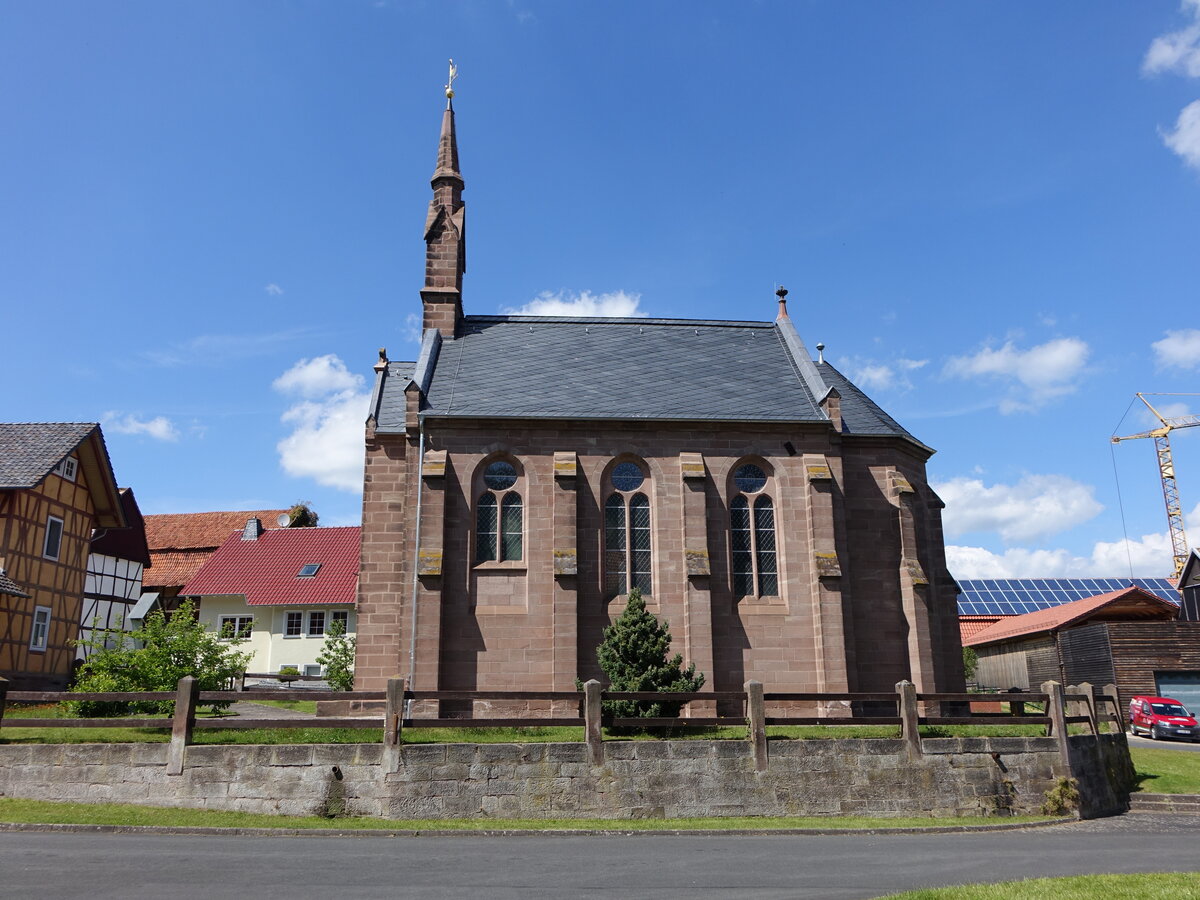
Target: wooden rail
[{"x": 1076, "y": 705}]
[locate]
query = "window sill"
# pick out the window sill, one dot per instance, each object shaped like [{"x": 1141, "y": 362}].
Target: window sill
[
  {"x": 508, "y": 565},
  {"x": 761, "y": 606}
]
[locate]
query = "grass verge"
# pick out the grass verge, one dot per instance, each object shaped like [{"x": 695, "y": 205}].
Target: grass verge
[
  {"x": 51, "y": 812},
  {"x": 1150, "y": 886},
  {"x": 1166, "y": 771}
]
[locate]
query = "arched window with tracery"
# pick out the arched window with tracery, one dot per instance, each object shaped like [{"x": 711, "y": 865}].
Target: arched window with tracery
[
  {"x": 499, "y": 514},
  {"x": 752, "y": 535},
  {"x": 627, "y": 550}
]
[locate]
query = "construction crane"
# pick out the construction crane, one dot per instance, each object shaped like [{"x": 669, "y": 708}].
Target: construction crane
[{"x": 1166, "y": 468}]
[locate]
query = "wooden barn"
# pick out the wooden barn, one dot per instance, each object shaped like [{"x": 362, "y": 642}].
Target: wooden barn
[{"x": 1130, "y": 638}]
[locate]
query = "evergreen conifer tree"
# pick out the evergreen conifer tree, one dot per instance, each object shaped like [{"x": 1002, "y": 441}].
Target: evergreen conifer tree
[{"x": 633, "y": 655}]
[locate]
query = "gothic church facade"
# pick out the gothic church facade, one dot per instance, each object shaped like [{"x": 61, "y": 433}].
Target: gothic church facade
[{"x": 525, "y": 473}]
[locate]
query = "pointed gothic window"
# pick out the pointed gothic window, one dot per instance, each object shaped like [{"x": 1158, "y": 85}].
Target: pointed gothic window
[
  {"x": 752, "y": 535},
  {"x": 499, "y": 515},
  {"x": 627, "y": 536}
]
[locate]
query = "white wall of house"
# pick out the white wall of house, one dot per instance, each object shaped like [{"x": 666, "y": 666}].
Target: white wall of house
[
  {"x": 110, "y": 589},
  {"x": 270, "y": 642}
]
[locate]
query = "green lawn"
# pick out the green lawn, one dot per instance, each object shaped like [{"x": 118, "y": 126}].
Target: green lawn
[
  {"x": 50, "y": 812},
  {"x": 1153, "y": 886},
  {"x": 1163, "y": 771},
  {"x": 480, "y": 735}
]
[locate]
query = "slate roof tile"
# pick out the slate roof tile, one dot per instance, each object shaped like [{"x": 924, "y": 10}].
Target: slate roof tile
[{"x": 30, "y": 450}]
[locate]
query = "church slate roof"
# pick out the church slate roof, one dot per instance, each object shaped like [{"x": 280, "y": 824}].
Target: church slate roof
[{"x": 549, "y": 367}]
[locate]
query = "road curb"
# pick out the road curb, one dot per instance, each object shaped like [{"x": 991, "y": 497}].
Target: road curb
[{"x": 503, "y": 832}]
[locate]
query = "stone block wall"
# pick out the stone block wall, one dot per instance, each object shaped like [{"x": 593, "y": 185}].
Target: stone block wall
[{"x": 954, "y": 776}]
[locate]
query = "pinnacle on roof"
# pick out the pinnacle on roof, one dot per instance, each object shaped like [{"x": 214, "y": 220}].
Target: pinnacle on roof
[{"x": 447, "y": 154}]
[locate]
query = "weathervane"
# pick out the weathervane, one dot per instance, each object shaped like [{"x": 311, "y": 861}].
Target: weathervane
[{"x": 450, "y": 81}]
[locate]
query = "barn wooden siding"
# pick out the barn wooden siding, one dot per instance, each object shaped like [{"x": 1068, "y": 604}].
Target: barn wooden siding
[
  {"x": 1021, "y": 664},
  {"x": 1087, "y": 655},
  {"x": 1139, "y": 649}
]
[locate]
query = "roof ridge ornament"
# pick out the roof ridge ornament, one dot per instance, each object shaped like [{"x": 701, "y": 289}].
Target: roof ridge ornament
[{"x": 782, "y": 293}]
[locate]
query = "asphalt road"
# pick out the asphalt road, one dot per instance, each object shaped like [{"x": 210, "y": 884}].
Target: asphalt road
[
  {"x": 1140, "y": 741},
  {"x": 96, "y": 866}
]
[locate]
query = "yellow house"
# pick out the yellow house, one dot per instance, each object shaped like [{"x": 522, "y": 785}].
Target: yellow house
[
  {"x": 56, "y": 486},
  {"x": 282, "y": 590}
]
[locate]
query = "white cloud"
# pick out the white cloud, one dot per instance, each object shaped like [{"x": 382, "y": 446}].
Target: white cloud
[
  {"x": 160, "y": 427},
  {"x": 881, "y": 375},
  {"x": 1035, "y": 376},
  {"x": 412, "y": 328},
  {"x": 326, "y": 443},
  {"x": 1179, "y": 349},
  {"x": 1178, "y": 51},
  {"x": 274, "y": 290},
  {"x": 586, "y": 304},
  {"x": 1184, "y": 139},
  {"x": 317, "y": 377},
  {"x": 1036, "y": 506},
  {"x": 1151, "y": 558}
]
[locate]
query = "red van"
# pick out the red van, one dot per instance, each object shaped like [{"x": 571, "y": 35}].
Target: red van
[{"x": 1162, "y": 717}]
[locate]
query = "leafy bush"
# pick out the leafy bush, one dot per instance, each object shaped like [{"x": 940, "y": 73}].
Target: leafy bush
[
  {"x": 154, "y": 658},
  {"x": 337, "y": 656},
  {"x": 970, "y": 662},
  {"x": 633, "y": 655}
]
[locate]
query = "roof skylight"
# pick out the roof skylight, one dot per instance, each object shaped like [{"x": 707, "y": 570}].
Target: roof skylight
[{"x": 309, "y": 570}]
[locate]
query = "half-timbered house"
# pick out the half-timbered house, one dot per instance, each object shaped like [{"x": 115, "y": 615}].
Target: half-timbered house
[{"x": 56, "y": 486}]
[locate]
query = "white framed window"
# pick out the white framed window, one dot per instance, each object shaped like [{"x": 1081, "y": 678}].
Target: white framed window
[
  {"x": 236, "y": 626},
  {"x": 293, "y": 625},
  {"x": 311, "y": 669},
  {"x": 68, "y": 468},
  {"x": 52, "y": 546},
  {"x": 39, "y": 635},
  {"x": 343, "y": 616},
  {"x": 316, "y": 623}
]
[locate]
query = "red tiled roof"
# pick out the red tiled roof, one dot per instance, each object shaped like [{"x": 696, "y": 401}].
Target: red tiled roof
[
  {"x": 174, "y": 568},
  {"x": 1133, "y": 601},
  {"x": 264, "y": 571},
  {"x": 206, "y": 530},
  {"x": 969, "y": 626}
]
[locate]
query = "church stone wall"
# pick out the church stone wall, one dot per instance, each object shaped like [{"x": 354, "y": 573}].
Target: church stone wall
[{"x": 857, "y": 528}]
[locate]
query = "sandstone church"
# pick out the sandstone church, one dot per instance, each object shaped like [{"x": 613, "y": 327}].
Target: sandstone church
[{"x": 525, "y": 473}]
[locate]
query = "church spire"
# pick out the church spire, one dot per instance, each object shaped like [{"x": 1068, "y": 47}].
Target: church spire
[{"x": 445, "y": 230}]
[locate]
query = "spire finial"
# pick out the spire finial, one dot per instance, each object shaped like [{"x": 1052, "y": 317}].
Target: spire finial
[
  {"x": 450, "y": 82},
  {"x": 782, "y": 293}
]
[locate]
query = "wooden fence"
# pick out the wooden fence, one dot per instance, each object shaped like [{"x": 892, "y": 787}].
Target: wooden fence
[{"x": 1078, "y": 705}]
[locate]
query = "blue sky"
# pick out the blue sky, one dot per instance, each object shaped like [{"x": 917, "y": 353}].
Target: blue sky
[{"x": 211, "y": 213}]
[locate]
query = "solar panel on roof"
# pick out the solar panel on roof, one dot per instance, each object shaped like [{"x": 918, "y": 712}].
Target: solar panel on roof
[{"x": 1013, "y": 596}]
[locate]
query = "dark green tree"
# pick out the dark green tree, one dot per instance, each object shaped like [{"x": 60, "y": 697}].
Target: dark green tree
[
  {"x": 154, "y": 658},
  {"x": 970, "y": 662},
  {"x": 302, "y": 515},
  {"x": 633, "y": 655}
]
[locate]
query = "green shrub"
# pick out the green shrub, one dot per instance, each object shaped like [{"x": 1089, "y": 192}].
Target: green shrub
[
  {"x": 154, "y": 658},
  {"x": 337, "y": 656}
]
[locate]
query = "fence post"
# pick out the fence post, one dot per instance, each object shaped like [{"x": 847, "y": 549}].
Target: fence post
[
  {"x": 3, "y": 695},
  {"x": 756, "y": 719},
  {"x": 1089, "y": 706},
  {"x": 592, "y": 733},
  {"x": 910, "y": 720},
  {"x": 1114, "y": 700},
  {"x": 1016, "y": 707},
  {"x": 393, "y": 719},
  {"x": 1058, "y": 722},
  {"x": 187, "y": 692}
]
